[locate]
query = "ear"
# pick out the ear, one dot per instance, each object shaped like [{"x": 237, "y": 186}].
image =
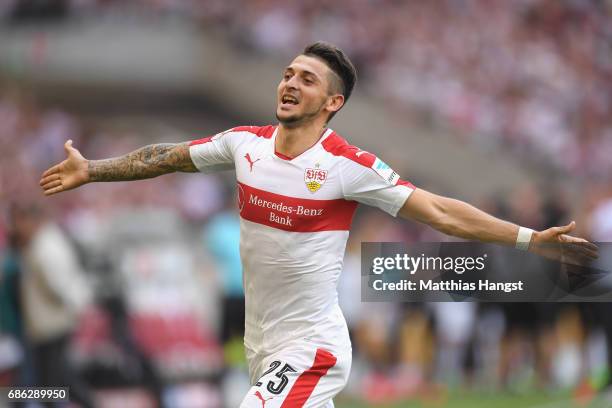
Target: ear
[{"x": 334, "y": 103}]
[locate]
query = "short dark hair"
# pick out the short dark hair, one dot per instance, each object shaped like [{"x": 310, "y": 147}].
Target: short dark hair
[{"x": 338, "y": 62}]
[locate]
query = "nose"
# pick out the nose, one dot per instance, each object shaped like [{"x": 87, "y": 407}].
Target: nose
[{"x": 292, "y": 83}]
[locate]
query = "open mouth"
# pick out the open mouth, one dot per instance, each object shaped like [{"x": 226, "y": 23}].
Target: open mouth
[{"x": 289, "y": 100}]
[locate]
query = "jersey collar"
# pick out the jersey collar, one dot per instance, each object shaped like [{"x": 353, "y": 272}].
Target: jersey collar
[{"x": 281, "y": 156}]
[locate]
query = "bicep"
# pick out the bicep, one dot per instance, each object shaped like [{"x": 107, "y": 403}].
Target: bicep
[
  {"x": 423, "y": 206},
  {"x": 181, "y": 158}
]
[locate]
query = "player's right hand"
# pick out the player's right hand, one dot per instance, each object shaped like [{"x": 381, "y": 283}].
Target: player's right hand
[{"x": 71, "y": 173}]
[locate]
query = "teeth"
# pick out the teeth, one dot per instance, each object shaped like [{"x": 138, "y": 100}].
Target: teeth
[{"x": 289, "y": 99}]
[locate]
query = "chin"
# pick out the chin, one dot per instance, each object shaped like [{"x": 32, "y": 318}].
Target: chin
[{"x": 288, "y": 120}]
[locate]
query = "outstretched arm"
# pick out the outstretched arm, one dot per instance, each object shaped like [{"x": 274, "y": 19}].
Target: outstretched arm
[
  {"x": 459, "y": 219},
  {"x": 146, "y": 162}
]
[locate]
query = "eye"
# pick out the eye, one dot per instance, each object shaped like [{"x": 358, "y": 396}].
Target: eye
[
  {"x": 308, "y": 81},
  {"x": 286, "y": 76}
]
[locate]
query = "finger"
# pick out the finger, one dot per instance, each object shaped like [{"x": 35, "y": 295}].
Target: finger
[
  {"x": 570, "y": 239},
  {"x": 69, "y": 149},
  {"x": 49, "y": 179},
  {"x": 582, "y": 250},
  {"x": 585, "y": 252},
  {"x": 52, "y": 184},
  {"x": 581, "y": 241},
  {"x": 52, "y": 170},
  {"x": 54, "y": 190},
  {"x": 567, "y": 228},
  {"x": 576, "y": 259},
  {"x": 68, "y": 146},
  {"x": 590, "y": 252}
]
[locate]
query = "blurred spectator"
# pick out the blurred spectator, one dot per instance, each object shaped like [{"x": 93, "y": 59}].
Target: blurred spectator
[
  {"x": 602, "y": 221},
  {"x": 455, "y": 324},
  {"x": 53, "y": 293},
  {"x": 222, "y": 239},
  {"x": 601, "y": 231},
  {"x": 11, "y": 333}
]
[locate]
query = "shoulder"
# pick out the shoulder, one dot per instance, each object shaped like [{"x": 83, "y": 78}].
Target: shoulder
[
  {"x": 339, "y": 147},
  {"x": 265, "y": 132},
  {"x": 261, "y": 131},
  {"x": 359, "y": 163}
]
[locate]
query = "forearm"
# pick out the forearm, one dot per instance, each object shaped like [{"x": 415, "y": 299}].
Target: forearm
[
  {"x": 147, "y": 162},
  {"x": 458, "y": 219},
  {"x": 463, "y": 220}
]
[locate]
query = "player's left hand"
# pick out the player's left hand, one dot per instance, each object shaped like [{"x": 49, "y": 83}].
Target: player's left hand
[{"x": 555, "y": 243}]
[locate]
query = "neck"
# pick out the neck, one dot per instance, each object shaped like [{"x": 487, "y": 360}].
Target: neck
[{"x": 293, "y": 141}]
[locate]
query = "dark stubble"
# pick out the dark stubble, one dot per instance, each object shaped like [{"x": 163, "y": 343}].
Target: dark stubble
[{"x": 295, "y": 121}]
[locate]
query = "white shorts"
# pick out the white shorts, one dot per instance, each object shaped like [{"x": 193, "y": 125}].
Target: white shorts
[{"x": 297, "y": 377}]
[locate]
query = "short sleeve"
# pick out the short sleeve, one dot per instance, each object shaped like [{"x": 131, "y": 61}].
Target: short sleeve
[
  {"x": 213, "y": 153},
  {"x": 376, "y": 185}
]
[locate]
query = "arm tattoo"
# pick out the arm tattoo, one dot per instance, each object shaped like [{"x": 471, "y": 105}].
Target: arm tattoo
[{"x": 146, "y": 162}]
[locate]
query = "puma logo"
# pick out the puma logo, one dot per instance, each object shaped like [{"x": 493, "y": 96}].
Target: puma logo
[
  {"x": 263, "y": 401},
  {"x": 251, "y": 162}
]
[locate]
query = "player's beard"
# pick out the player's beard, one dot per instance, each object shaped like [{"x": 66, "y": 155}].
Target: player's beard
[{"x": 298, "y": 120}]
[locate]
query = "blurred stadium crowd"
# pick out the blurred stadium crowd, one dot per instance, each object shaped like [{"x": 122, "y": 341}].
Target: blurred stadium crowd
[
  {"x": 535, "y": 78},
  {"x": 153, "y": 298}
]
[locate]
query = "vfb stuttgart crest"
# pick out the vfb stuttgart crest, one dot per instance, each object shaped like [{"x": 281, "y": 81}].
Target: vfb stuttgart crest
[{"x": 314, "y": 179}]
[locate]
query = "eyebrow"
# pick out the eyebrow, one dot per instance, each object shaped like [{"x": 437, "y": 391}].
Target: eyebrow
[{"x": 304, "y": 72}]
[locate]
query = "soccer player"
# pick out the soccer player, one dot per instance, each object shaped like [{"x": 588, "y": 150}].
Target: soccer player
[{"x": 298, "y": 184}]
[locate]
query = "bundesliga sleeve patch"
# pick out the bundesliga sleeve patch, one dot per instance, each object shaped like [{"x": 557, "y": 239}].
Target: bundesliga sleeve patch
[{"x": 385, "y": 171}]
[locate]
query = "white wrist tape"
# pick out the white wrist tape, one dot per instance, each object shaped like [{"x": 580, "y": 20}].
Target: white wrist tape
[{"x": 523, "y": 238}]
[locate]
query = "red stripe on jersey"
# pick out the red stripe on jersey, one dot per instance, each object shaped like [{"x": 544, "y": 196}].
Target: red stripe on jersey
[
  {"x": 283, "y": 156},
  {"x": 408, "y": 184},
  {"x": 261, "y": 131},
  {"x": 337, "y": 146},
  {"x": 292, "y": 213},
  {"x": 200, "y": 141},
  {"x": 307, "y": 381}
]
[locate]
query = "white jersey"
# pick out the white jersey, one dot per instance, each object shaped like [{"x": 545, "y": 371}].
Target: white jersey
[{"x": 295, "y": 219}]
